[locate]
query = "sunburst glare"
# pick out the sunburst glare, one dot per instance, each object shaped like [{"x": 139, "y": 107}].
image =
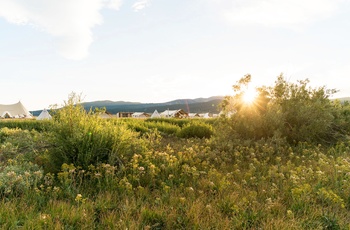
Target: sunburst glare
[{"x": 249, "y": 95}]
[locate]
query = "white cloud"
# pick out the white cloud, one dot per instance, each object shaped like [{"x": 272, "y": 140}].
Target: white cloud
[
  {"x": 70, "y": 22},
  {"x": 114, "y": 4},
  {"x": 277, "y": 13},
  {"x": 140, "y": 4}
]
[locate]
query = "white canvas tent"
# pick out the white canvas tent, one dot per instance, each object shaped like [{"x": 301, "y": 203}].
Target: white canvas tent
[
  {"x": 105, "y": 115},
  {"x": 44, "y": 115},
  {"x": 155, "y": 114},
  {"x": 174, "y": 114},
  {"x": 206, "y": 115},
  {"x": 14, "y": 111},
  {"x": 140, "y": 115},
  {"x": 193, "y": 115}
]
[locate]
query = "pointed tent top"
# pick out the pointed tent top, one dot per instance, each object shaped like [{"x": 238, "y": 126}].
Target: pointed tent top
[
  {"x": 44, "y": 115},
  {"x": 155, "y": 114}
]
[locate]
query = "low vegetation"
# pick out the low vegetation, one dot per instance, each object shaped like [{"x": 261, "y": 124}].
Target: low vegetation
[{"x": 281, "y": 162}]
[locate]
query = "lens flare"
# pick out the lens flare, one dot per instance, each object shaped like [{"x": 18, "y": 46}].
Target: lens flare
[{"x": 249, "y": 95}]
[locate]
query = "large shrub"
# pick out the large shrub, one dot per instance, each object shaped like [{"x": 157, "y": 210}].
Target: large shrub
[
  {"x": 82, "y": 138},
  {"x": 307, "y": 113},
  {"x": 197, "y": 130},
  {"x": 294, "y": 111},
  {"x": 174, "y": 121}
]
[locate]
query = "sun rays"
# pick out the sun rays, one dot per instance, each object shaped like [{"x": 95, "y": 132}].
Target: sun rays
[{"x": 249, "y": 95}]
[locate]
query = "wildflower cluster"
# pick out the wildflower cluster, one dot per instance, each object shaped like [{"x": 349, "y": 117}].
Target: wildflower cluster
[{"x": 16, "y": 179}]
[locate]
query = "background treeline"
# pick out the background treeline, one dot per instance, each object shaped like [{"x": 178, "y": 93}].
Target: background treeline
[{"x": 281, "y": 162}]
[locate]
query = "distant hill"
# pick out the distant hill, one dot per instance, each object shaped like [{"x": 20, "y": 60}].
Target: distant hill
[
  {"x": 343, "y": 99},
  {"x": 198, "y": 105}
]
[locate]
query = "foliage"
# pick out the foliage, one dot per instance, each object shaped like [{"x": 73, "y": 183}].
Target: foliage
[
  {"x": 235, "y": 179},
  {"x": 17, "y": 178},
  {"x": 173, "y": 121},
  {"x": 152, "y": 220},
  {"x": 198, "y": 130},
  {"x": 164, "y": 127},
  {"x": 188, "y": 185},
  {"x": 23, "y": 145},
  {"x": 293, "y": 111},
  {"x": 83, "y": 138},
  {"x": 28, "y": 124},
  {"x": 307, "y": 112},
  {"x": 145, "y": 126}
]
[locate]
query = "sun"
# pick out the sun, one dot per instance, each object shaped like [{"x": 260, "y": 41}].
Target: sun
[{"x": 249, "y": 95}]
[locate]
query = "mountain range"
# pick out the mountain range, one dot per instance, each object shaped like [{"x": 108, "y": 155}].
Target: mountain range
[{"x": 198, "y": 105}]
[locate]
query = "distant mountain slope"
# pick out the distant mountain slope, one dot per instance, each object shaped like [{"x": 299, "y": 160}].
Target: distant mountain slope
[
  {"x": 199, "y": 105},
  {"x": 107, "y": 103},
  {"x": 343, "y": 99}
]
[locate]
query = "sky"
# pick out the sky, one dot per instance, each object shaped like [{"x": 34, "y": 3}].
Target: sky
[{"x": 160, "y": 50}]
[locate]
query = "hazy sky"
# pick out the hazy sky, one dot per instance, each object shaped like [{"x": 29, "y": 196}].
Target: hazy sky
[{"x": 160, "y": 50}]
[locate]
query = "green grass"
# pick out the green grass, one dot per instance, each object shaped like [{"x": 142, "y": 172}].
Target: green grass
[{"x": 174, "y": 183}]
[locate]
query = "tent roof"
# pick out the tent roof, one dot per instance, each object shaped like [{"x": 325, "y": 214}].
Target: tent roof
[
  {"x": 139, "y": 113},
  {"x": 193, "y": 115},
  {"x": 44, "y": 115},
  {"x": 14, "y": 110},
  {"x": 174, "y": 113},
  {"x": 155, "y": 114}
]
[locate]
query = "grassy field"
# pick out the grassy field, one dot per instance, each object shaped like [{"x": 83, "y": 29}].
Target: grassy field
[
  {"x": 281, "y": 163},
  {"x": 173, "y": 183}
]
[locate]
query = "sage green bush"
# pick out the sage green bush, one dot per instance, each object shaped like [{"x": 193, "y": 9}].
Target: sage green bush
[
  {"x": 294, "y": 111},
  {"x": 17, "y": 178},
  {"x": 196, "y": 130},
  {"x": 26, "y": 124},
  {"x": 174, "y": 121},
  {"x": 82, "y": 138},
  {"x": 163, "y": 127},
  {"x": 24, "y": 145}
]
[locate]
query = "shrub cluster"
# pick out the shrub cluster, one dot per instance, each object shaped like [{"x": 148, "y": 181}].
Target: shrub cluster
[
  {"x": 196, "y": 130},
  {"x": 82, "y": 139},
  {"x": 293, "y": 111},
  {"x": 28, "y": 124},
  {"x": 254, "y": 172}
]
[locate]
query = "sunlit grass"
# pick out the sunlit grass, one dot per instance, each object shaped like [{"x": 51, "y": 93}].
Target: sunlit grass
[{"x": 180, "y": 184}]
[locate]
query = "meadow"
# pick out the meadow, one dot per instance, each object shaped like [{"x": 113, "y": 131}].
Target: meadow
[{"x": 280, "y": 163}]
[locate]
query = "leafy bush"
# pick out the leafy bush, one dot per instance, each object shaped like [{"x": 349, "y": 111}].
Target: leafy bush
[
  {"x": 293, "y": 111},
  {"x": 173, "y": 121},
  {"x": 198, "y": 130},
  {"x": 27, "y": 145},
  {"x": 138, "y": 128},
  {"x": 163, "y": 127},
  {"x": 27, "y": 124},
  {"x": 82, "y": 138},
  {"x": 18, "y": 178}
]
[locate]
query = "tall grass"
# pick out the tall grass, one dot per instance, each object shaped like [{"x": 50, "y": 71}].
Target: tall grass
[
  {"x": 166, "y": 182},
  {"x": 28, "y": 124},
  {"x": 83, "y": 138}
]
